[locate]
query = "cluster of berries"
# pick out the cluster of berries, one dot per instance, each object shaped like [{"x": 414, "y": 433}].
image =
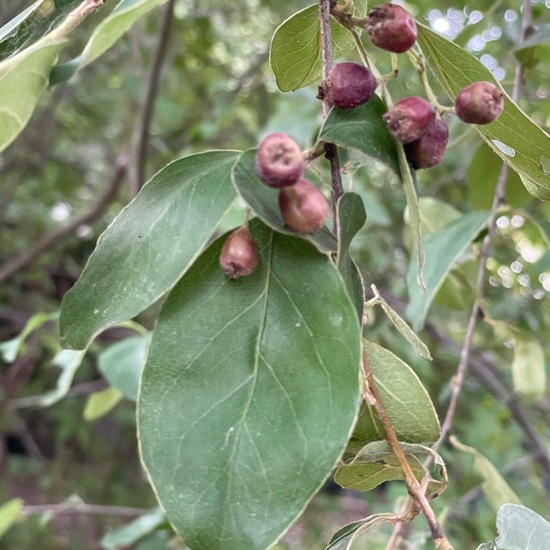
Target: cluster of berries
[{"x": 412, "y": 121}]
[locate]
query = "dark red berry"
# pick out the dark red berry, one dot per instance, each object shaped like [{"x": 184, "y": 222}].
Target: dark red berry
[
  {"x": 479, "y": 103},
  {"x": 303, "y": 207},
  {"x": 409, "y": 118},
  {"x": 428, "y": 151},
  {"x": 391, "y": 28},
  {"x": 349, "y": 85},
  {"x": 279, "y": 161},
  {"x": 239, "y": 256}
]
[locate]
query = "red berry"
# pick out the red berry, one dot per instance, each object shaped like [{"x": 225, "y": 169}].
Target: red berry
[
  {"x": 239, "y": 256},
  {"x": 479, "y": 103},
  {"x": 349, "y": 85},
  {"x": 303, "y": 207},
  {"x": 391, "y": 28},
  {"x": 428, "y": 151},
  {"x": 409, "y": 118},
  {"x": 279, "y": 161}
]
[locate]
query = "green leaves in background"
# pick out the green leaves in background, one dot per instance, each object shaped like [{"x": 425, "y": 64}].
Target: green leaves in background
[
  {"x": 363, "y": 129},
  {"x": 264, "y": 201},
  {"x": 133, "y": 531},
  {"x": 126, "y": 13},
  {"x": 351, "y": 218},
  {"x": 295, "y": 54},
  {"x": 407, "y": 402},
  {"x": 443, "y": 249},
  {"x": 494, "y": 486},
  {"x": 100, "y": 403},
  {"x": 519, "y": 528},
  {"x": 514, "y": 137},
  {"x": 9, "y": 513},
  {"x": 249, "y": 393},
  {"x": 528, "y": 372},
  {"x": 121, "y": 364},
  {"x": 149, "y": 245}
]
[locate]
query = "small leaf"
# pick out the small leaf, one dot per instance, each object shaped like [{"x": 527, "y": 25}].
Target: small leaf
[
  {"x": 364, "y": 130},
  {"x": 351, "y": 218},
  {"x": 405, "y": 399},
  {"x": 100, "y": 403},
  {"x": 526, "y": 143},
  {"x": 264, "y": 201},
  {"x": 540, "y": 36},
  {"x": 496, "y": 490},
  {"x": 345, "y": 537},
  {"x": 134, "y": 531},
  {"x": 519, "y": 528},
  {"x": 11, "y": 26},
  {"x": 249, "y": 393},
  {"x": 121, "y": 364},
  {"x": 149, "y": 245},
  {"x": 528, "y": 372},
  {"x": 111, "y": 29},
  {"x": 295, "y": 53},
  {"x": 443, "y": 249},
  {"x": 9, "y": 514}
]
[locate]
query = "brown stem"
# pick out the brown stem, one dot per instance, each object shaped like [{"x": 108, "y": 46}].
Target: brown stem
[
  {"x": 140, "y": 151},
  {"x": 415, "y": 489},
  {"x": 45, "y": 243}
]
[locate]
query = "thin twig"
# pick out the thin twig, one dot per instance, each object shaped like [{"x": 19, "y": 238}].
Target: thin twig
[
  {"x": 413, "y": 485},
  {"x": 148, "y": 107},
  {"x": 45, "y": 243},
  {"x": 331, "y": 151},
  {"x": 498, "y": 199},
  {"x": 86, "y": 509}
]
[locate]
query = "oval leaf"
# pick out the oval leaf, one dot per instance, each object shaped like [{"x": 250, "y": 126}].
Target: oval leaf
[
  {"x": 149, "y": 245},
  {"x": 514, "y": 137},
  {"x": 405, "y": 399},
  {"x": 519, "y": 528},
  {"x": 100, "y": 403},
  {"x": 295, "y": 54},
  {"x": 9, "y": 514},
  {"x": 249, "y": 393},
  {"x": 264, "y": 201},
  {"x": 364, "y": 130},
  {"x": 443, "y": 248}
]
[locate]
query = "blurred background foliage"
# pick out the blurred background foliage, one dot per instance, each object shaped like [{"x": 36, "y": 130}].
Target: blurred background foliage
[{"x": 217, "y": 91}]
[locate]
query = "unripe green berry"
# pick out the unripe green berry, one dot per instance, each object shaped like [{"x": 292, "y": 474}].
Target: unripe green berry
[
  {"x": 303, "y": 207},
  {"x": 239, "y": 257}
]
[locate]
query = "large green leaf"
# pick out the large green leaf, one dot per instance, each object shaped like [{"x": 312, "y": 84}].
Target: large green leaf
[
  {"x": 363, "y": 129},
  {"x": 265, "y": 202},
  {"x": 519, "y": 528},
  {"x": 126, "y": 13},
  {"x": 24, "y": 76},
  {"x": 249, "y": 393},
  {"x": 405, "y": 399},
  {"x": 517, "y": 140},
  {"x": 443, "y": 249},
  {"x": 295, "y": 54},
  {"x": 149, "y": 245}
]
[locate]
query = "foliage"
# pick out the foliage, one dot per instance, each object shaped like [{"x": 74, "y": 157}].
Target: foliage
[{"x": 249, "y": 393}]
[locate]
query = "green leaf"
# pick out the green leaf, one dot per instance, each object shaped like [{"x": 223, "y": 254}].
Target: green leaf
[
  {"x": 496, "y": 490},
  {"x": 134, "y": 531},
  {"x": 405, "y": 399},
  {"x": 121, "y": 19},
  {"x": 351, "y": 218},
  {"x": 540, "y": 36},
  {"x": 264, "y": 201},
  {"x": 121, "y": 364},
  {"x": 9, "y": 350},
  {"x": 482, "y": 176},
  {"x": 514, "y": 137},
  {"x": 295, "y": 53},
  {"x": 24, "y": 76},
  {"x": 364, "y": 130},
  {"x": 11, "y": 26},
  {"x": 149, "y": 245},
  {"x": 519, "y": 528},
  {"x": 100, "y": 403},
  {"x": 345, "y": 537},
  {"x": 9, "y": 514},
  {"x": 443, "y": 249},
  {"x": 528, "y": 372},
  {"x": 249, "y": 393}
]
